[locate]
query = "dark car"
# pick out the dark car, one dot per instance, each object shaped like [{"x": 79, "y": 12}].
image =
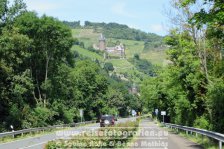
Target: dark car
[{"x": 107, "y": 120}]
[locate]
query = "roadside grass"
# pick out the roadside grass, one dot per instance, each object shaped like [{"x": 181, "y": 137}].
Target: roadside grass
[
  {"x": 106, "y": 137},
  {"x": 205, "y": 142},
  {"x": 135, "y": 137}
]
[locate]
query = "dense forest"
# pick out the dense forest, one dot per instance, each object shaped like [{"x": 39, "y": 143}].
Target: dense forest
[
  {"x": 191, "y": 87},
  {"x": 42, "y": 82},
  {"x": 74, "y": 24}
]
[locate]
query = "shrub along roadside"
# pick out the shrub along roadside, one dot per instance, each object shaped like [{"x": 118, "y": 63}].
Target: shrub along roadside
[{"x": 107, "y": 137}]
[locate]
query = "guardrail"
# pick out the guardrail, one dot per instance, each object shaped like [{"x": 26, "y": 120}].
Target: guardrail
[
  {"x": 211, "y": 134},
  {"x": 38, "y": 129}
]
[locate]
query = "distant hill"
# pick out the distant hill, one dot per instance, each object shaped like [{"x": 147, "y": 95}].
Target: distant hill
[{"x": 118, "y": 31}]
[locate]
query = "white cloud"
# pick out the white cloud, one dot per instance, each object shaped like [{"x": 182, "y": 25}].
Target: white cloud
[
  {"x": 42, "y": 6},
  {"x": 120, "y": 9},
  {"x": 156, "y": 28}
]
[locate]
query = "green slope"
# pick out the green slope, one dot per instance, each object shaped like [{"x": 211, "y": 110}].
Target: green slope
[
  {"x": 122, "y": 66},
  {"x": 89, "y": 37},
  {"x": 87, "y": 53}
]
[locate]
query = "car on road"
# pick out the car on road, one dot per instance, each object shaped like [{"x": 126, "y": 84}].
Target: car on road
[{"x": 107, "y": 120}]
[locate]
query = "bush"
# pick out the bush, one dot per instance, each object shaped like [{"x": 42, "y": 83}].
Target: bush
[
  {"x": 108, "y": 66},
  {"x": 202, "y": 123},
  {"x": 41, "y": 116},
  {"x": 216, "y": 105}
]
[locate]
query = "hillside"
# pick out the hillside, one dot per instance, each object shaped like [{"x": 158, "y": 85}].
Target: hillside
[
  {"x": 149, "y": 47},
  {"x": 87, "y": 53},
  {"x": 154, "y": 55},
  {"x": 118, "y": 31},
  {"x": 121, "y": 66}
]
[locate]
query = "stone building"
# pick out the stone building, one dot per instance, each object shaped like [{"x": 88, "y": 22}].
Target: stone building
[
  {"x": 102, "y": 42},
  {"x": 118, "y": 50}
]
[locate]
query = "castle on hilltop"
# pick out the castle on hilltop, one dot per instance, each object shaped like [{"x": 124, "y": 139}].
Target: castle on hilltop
[{"x": 118, "y": 50}]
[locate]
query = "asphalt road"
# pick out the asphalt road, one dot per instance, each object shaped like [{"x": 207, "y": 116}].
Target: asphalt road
[
  {"x": 151, "y": 136},
  {"x": 40, "y": 141}
]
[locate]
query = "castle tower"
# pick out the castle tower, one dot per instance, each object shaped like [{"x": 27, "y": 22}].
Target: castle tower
[
  {"x": 122, "y": 51},
  {"x": 102, "y": 42}
]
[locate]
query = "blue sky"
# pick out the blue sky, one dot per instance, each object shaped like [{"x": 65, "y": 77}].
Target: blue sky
[{"x": 146, "y": 15}]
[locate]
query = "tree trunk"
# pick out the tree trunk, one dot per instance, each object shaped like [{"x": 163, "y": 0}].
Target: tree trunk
[
  {"x": 38, "y": 88},
  {"x": 47, "y": 65},
  {"x": 46, "y": 77},
  {"x": 205, "y": 60}
]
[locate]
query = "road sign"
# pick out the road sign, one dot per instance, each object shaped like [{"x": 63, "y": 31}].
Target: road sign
[
  {"x": 163, "y": 112},
  {"x": 133, "y": 112},
  {"x": 156, "y": 111},
  {"x": 81, "y": 112}
]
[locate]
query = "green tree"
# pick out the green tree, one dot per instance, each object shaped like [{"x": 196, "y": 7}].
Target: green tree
[
  {"x": 51, "y": 45},
  {"x": 90, "y": 84},
  {"x": 9, "y": 12},
  {"x": 15, "y": 76},
  {"x": 108, "y": 66}
]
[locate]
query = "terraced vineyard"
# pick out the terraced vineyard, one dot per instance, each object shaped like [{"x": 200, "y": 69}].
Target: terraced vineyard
[
  {"x": 89, "y": 37},
  {"x": 121, "y": 66}
]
